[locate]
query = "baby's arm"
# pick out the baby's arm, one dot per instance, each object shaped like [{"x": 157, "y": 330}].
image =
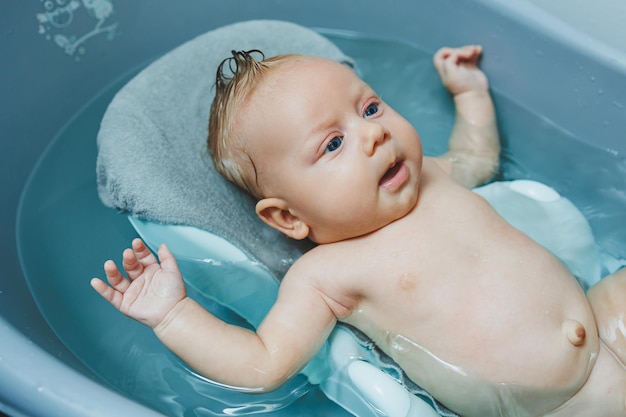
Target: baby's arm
[
  {"x": 474, "y": 145},
  {"x": 291, "y": 334}
]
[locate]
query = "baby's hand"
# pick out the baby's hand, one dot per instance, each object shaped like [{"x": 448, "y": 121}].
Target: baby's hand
[
  {"x": 458, "y": 69},
  {"x": 150, "y": 291}
]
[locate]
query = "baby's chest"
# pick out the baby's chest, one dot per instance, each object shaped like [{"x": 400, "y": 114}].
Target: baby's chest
[
  {"x": 412, "y": 269},
  {"x": 472, "y": 293}
]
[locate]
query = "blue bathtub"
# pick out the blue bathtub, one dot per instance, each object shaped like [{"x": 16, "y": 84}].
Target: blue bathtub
[{"x": 59, "y": 54}]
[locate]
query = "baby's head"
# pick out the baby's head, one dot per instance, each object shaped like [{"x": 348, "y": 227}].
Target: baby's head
[
  {"x": 325, "y": 156},
  {"x": 236, "y": 79}
]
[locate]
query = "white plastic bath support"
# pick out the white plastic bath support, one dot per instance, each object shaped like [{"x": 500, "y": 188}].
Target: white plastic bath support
[
  {"x": 362, "y": 388},
  {"x": 535, "y": 190},
  {"x": 385, "y": 393}
]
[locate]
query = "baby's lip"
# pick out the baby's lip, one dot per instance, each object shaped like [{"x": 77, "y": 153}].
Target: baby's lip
[{"x": 395, "y": 175}]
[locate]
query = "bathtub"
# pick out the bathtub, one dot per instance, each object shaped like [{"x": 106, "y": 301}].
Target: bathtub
[{"x": 58, "y": 55}]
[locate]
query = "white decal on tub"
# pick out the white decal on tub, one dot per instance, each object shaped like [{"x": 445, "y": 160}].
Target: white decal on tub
[{"x": 70, "y": 23}]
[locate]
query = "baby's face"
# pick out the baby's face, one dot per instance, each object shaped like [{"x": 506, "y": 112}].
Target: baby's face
[{"x": 322, "y": 141}]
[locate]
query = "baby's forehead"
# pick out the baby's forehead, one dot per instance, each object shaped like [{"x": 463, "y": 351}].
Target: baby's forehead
[
  {"x": 298, "y": 71},
  {"x": 299, "y": 63}
]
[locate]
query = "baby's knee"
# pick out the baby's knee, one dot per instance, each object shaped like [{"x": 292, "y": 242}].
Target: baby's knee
[
  {"x": 608, "y": 297},
  {"x": 610, "y": 288},
  {"x": 608, "y": 301}
]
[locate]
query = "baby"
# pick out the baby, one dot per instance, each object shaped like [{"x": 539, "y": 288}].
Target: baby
[{"x": 474, "y": 311}]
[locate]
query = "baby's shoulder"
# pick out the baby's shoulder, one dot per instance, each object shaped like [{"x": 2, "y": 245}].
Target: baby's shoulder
[
  {"x": 330, "y": 269},
  {"x": 337, "y": 262},
  {"x": 327, "y": 255}
]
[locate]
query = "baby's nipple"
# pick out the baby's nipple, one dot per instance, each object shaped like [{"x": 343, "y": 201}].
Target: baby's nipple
[{"x": 574, "y": 331}]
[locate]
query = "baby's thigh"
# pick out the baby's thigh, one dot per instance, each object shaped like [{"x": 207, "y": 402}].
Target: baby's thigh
[
  {"x": 604, "y": 393},
  {"x": 608, "y": 301}
]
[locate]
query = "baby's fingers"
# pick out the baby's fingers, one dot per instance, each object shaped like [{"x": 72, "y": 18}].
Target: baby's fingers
[
  {"x": 447, "y": 58},
  {"x": 115, "y": 277},
  {"x": 440, "y": 57},
  {"x": 168, "y": 262},
  {"x": 136, "y": 260},
  {"x": 469, "y": 52},
  {"x": 111, "y": 295}
]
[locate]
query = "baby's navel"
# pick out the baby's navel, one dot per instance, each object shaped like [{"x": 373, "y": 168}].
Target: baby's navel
[{"x": 574, "y": 331}]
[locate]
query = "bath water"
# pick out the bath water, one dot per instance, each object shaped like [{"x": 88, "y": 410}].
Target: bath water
[{"x": 65, "y": 233}]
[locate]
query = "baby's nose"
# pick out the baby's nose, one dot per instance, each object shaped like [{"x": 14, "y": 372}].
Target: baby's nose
[{"x": 375, "y": 135}]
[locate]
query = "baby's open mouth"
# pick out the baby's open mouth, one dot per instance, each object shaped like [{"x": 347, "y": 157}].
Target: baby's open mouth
[{"x": 392, "y": 177}]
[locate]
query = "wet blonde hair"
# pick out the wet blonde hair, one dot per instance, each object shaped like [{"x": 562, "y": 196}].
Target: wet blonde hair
[{"x": 236, "y": 79}]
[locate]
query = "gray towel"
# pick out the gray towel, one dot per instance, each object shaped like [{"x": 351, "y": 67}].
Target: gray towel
[{"x": 152, "y": 156}]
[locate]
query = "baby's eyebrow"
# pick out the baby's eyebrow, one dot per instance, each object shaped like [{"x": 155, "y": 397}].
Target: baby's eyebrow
[
  {"x": 314, "y": 137},
  {"x": 321, "y": 127},
  {"x": 368, "y": 92}
]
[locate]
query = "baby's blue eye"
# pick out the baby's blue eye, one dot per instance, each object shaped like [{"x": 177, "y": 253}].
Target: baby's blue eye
[
  {"x": 334, "y": 144},
  {"x": 371, "y": 110}
]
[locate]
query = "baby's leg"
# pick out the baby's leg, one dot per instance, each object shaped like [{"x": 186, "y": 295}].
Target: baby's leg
[
  {"x": 604, "y": 393},
  {"x": 608, "y": 301}
]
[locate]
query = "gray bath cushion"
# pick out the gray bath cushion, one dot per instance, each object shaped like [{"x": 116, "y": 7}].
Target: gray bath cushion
[{"x": 152, "y": 157}]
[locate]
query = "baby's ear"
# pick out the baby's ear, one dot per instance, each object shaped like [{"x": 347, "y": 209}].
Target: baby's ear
[{"x": 275, "y": 212}]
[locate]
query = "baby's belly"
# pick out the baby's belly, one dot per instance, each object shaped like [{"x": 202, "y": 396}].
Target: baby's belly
[{"x": 481, "y": 384}]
